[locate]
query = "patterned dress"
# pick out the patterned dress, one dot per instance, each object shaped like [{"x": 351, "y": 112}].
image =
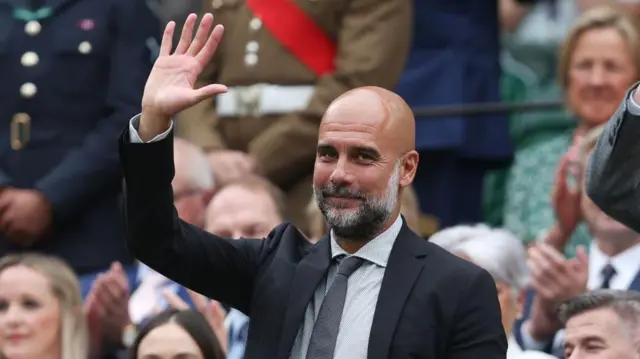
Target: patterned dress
[{"x": 519, "y": 198}]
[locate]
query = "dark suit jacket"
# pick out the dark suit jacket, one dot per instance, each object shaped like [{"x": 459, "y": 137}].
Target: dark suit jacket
[
  {"x": 431, "y": 303},
  {"x": 613, "y": 173},
  {"x": 67, "y": 150}
]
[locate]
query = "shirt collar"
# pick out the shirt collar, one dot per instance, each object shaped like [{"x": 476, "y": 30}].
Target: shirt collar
[
  {"x": 626, "y": 263},
  {"x": 376, "y": 250}
]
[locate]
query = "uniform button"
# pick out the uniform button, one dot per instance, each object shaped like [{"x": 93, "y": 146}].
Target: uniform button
[
  {"x": 216, "y": 4},
  {"x": 250, "y": 59},
  {"x": 253, "y": 46},
  {"x": 32, "y": 28},
  {"x": 28, "y": 90},
  {"x": 29, "y": 59},
  {"x": 84, "y": 47},
  {"x": 255, "y": 24}
]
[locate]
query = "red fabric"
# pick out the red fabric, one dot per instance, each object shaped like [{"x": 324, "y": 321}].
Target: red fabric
[{"x": 297, "y": 32}]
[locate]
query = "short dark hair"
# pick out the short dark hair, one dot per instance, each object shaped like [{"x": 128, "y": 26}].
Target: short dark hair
[
  {"x": 192, "y": 322},
  {"x": 625, "y": 303}
]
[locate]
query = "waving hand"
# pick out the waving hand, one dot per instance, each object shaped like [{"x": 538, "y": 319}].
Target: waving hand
[{"x": 170, "y": 86}]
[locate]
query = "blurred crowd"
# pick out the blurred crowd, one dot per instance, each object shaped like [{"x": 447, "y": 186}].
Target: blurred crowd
[{"x": 502, "y": 190}]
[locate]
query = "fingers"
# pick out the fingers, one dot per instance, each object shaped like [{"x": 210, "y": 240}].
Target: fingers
[
  {"x": 187, "y": 34},
  {"x": 582, "y": 256},
  {"x": 167, "y": 39},
  {"x": 198, "y": 301},
  {"x": 209, "y": 91},
  {"x": 201, "y": 35},
  {"x": 547, "y": 268},
  {"x": 174, "y": 300},
  {"x": 205, "y": 55}
]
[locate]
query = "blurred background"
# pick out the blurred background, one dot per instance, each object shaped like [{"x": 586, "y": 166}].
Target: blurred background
[{"x": 509, "y": 97}]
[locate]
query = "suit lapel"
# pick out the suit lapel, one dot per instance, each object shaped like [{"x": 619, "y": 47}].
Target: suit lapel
[
  {"x": 404, "y": 265},
  {"x": 312, "y": 268},
  {"x": 635, "y": 285}
]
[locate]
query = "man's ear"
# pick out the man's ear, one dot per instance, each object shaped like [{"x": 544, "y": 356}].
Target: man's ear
[{"x": 408, "y": 168}]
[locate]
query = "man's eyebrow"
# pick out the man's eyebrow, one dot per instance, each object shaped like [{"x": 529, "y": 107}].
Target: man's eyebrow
[{"x": 324, "y": 147}]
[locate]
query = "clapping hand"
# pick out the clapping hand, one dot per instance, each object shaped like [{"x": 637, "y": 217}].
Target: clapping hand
[
  {"x": 210, "y": 309},
  {"x": 170, "y": 86},
  {"x": 567, "y": 191}
]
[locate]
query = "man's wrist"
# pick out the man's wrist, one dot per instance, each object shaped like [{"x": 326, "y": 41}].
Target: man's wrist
[{"x": 152, "y": 124}]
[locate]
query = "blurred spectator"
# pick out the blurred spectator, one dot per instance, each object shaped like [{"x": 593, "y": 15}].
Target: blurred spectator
[
  {"x": 602, "y": 324},
  {"x": 73, "y": 75},
  {"x": 248, "y": 208},
  {"x": 409, "y": 208},
  {"x": 504, "y": 257},
  {"x": 279, "y": 86},
  {"x": 613, "y": 262},
  {"x": 176, "y": 334},
  {"x": 449, "y": 66},
  {"x": 125, "y": 297},
  {"x": 193, "y": 184},
  {"x": 599, "y": 62},
  {"x": 40, "y": 310}
]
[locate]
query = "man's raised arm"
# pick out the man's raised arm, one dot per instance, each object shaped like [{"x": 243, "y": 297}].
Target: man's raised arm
[
  {"x": 219, "y": 268},
  {"x": 613, "y": 173}
]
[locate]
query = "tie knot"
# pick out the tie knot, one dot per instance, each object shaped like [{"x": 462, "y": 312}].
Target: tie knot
[
  {"x": 349, "y": 265},
  {"x": 608, "y": 271}
]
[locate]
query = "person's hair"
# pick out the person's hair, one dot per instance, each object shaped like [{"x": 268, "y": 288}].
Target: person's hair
[
  {"x": 496, "y": 250},
  {"x": 198, "y": 171},
  {"x": 604, "y": 17},
  {"x": 190, "y": 321},
  {"x": 258, "y": 184},
  {"x": 626, "y": 304},
  {"x": 74, "y": 332}
]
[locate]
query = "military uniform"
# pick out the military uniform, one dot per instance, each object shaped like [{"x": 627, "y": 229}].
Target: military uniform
[
  {"x": 275, "y": 101},
  {"x": 73, "y": 73}
]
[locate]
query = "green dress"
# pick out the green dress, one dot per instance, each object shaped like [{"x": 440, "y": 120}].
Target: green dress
[{"x": 519, "y": 197}]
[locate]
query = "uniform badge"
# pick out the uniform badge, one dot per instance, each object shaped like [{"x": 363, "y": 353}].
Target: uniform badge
[{"x": 86, "y": 24}]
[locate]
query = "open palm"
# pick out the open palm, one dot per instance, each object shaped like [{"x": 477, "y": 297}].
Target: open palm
[{"x": 170, "y": 86}]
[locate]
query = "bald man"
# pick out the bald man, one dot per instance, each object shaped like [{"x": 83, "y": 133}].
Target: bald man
[{"x": 371, "y": 288}]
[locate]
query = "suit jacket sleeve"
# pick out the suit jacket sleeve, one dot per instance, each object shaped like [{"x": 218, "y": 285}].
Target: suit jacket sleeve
[
  {"x": 477, "y": 327},
  {"x": 218, "y": 268},
  {"x": 373, "y": 44},
  {"x": 93, "y": 166},
  {"x": 613, "y": 172}
]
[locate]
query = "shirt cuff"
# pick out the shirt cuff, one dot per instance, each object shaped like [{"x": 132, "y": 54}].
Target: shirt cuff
[
  {"x": 134, "y": 137},
  {"x": 632, "y": 105},
  {"x": 528, "y": 342}
]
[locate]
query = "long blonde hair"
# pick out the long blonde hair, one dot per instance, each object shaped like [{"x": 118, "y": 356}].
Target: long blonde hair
[{"x": 65, "y": 287}]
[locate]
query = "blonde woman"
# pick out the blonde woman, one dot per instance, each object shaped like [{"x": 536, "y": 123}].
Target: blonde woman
[
  {"x": 41, "y": 314},
  {"x": 599, "y": 61}
]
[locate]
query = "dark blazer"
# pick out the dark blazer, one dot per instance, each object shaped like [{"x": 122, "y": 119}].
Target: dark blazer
[
  {"x": 431, "y": 303},
  {"x": 613, "y": 173},
  {"x": 93, "y": 59}
]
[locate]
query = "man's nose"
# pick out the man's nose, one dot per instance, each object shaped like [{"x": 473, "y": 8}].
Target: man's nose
[{"x": 340, "y": 173}]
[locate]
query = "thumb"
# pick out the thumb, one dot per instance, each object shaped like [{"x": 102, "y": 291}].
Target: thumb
[{"x": 209, "y": 91}]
